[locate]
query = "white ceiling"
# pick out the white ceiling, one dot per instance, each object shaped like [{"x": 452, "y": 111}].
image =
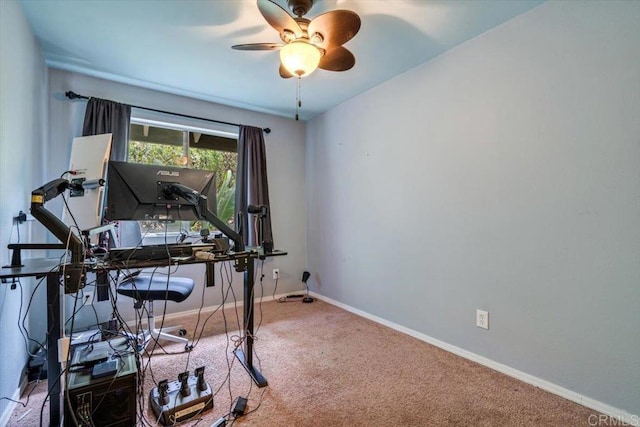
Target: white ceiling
[{"x": 184, "y": 47}]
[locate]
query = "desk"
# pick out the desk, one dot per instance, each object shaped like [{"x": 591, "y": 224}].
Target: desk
[
  {"x": 49, "y": 267},
  {"x": 245, "y": 354}
]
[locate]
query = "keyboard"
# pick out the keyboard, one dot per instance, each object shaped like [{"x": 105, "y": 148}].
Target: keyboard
[
  {"x": 152, "y": 252},
  {"x": 166, "y": 251}
]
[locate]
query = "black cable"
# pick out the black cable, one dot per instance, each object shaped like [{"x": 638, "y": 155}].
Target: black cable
[
  {"x": 250, "y": 302},
  {"x": 17, "y": 224},
  {"x": 225, "y": 269},
  {"x": 75, "y": 223},
  {"x": 18, "y": 231},
  {"x": 275, "y": 288},
  {"x": 106, "y": 392},
  {"x": 131, "y": 337},
  {"x": 230, "y": 363},
  {"x": 148, "y": 367},
  {"x": 257, "y": 328},
  {"x": 164, "y": 309},
  {"x": 261, "y": 296},
  {"x": 142, "y": 368},
  {"x": 220, "y": 306},
  {"x": 254, "y": 337},
  {"x": 195, "y": 329},
  {"x": 84, "y": 303},
  {"x": 67, "y": 399},
  {"x": 228, "y": 354},
  {"x": 186, "y": 369},
  {"x": 21, "y": 325},
  {"x": 18, "y": 402}
]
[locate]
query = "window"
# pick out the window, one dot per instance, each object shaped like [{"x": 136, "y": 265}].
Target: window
[{"x": 160, "y": 143}]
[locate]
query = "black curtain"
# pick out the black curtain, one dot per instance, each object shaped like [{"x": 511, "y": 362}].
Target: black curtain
[
  {"x": 104, "y": 116},
  {"x": 251, "y": 184}
]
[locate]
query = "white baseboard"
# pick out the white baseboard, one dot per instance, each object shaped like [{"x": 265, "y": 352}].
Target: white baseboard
[
  {"x": 208, "y": 310},
  {"x": 617, "y": 414},
  {"x": 6, "y": 415}
]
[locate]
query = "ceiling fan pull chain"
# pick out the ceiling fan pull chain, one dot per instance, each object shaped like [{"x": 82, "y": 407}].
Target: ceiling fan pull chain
[{"x": 298, "y": 100}]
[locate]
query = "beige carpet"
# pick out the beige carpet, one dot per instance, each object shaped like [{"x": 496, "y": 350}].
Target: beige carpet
[{"x": 326, "y": 366}]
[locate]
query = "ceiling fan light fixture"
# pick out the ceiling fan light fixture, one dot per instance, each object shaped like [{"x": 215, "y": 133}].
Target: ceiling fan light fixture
[
  {"x": 288, "y": 36},
  {"x": 300, "y": 58}
]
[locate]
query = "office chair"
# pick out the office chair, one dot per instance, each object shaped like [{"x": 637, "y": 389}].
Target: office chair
[{"x": 147, "y": 288}]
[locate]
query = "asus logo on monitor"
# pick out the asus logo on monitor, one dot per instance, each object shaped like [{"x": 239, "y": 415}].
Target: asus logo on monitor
[{"x": 168, "y": 173}]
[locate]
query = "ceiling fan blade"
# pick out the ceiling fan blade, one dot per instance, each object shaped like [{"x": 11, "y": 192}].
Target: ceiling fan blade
[
  {"x": 336, "y": 27},
  {"x": 279, "y": 18},
  {"x": 284, "y": 73},
  {"x": 338, "y": 59},
  {"x": 258, "y": 46}
]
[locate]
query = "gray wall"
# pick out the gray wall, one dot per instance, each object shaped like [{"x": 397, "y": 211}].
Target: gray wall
[
  {"x": 23, "y": 137},
  {"x": 285, "y": 162},
  {"x": 37, "y": 126},
  {"x": 503, "y": 176}
]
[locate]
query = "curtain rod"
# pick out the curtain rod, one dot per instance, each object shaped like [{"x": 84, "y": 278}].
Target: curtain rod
[{"x": 72, "y": 95}]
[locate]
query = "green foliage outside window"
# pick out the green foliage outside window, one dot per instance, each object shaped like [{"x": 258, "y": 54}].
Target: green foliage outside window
[{"x": 222, "y": 163}]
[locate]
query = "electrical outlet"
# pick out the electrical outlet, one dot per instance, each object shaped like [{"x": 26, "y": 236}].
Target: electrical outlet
[
  {"x": 87, "y": 297},
  {"x": 276, "y": 273},
  {"x": 482, "y": 319},
  {"x": 22, "y": 217}
]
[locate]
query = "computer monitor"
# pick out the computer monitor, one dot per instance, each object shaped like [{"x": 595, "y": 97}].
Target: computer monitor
[
  {"x": 89, "y": 158},
  {"x": 138, "y": 192}
]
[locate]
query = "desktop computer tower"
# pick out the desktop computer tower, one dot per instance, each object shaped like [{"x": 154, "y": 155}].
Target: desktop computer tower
[{"x": 102, "y": 385}]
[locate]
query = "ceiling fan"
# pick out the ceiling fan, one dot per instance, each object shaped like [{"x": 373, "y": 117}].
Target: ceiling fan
[{"x": 308, "y": 44}]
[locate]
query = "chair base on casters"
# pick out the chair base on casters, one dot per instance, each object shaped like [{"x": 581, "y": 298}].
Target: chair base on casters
[{"x": 154, "y": 334}]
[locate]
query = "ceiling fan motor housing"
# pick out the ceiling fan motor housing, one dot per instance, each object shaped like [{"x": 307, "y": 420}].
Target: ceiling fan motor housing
[
  {"x": 308, "y": 43},
  {"x": 300, "y": 7}
]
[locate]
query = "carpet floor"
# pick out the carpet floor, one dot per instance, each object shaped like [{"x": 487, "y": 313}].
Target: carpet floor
[{"x": 326, "y": 366}]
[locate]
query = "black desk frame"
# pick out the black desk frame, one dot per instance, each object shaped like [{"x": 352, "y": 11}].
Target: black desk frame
[
  {"x": 246, "y": 357},
  {"x": 51, "y": 269},
  {"x": 47, "y": 268}
]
